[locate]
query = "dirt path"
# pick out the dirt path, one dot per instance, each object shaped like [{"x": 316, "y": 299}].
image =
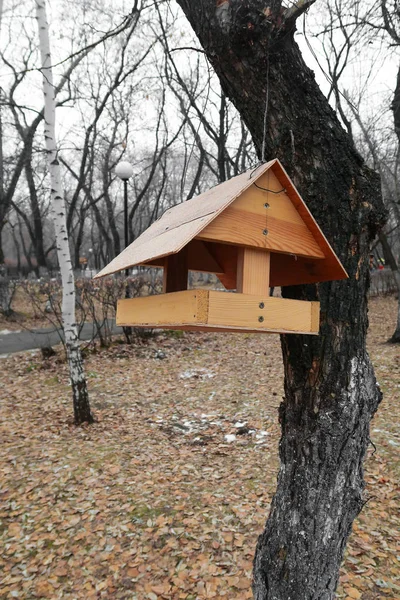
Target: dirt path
[{"x": 26, "y": 339}]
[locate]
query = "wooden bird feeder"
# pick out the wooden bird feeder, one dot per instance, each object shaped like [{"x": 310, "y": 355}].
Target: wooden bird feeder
[{"x": 254, "y": 232}]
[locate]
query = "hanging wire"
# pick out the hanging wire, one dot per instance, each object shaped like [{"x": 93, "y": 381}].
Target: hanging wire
[
  {"x": 267, "y": 190},
  {"x": 265, "y": 112}
]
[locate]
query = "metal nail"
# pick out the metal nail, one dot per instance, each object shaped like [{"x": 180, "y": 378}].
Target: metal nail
[
  {"x": 266, "y": 205},
  {"x": 265, "y": 231},
  {"x": 261, "y": 305},
  {"x": 261, "y": 319}
]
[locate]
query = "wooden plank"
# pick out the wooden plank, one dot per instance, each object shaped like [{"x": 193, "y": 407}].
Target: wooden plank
[
  {"x": 204, "y": 310},
  {"x": 291, "y": 270},
  {"x": 253, "y": 271},
  {"x": 189, "y": 306},
  {"x": 204, "y": 328},
  {"x": 315, "y": 312},
  {"x": 199, "y": 259},
  {"x": 244, "y": 228},
  {"x": 226, "y": 255},
  {"x": 255, "y": 199},
  {"x": 210, "y": 310},
  {"x": 176, "y": 272},
  {"x": 243, "y": 310}
]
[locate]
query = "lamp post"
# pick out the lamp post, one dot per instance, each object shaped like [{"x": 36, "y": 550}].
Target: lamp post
[
  {"x": 90, "y": 261},
  {"x": 124, "y": 171}
]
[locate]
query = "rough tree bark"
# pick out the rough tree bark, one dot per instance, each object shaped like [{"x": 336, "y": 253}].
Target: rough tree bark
[
  {"x": 330, "y": 389},
  {"x": 78, "y": 382},
  {"x": 395, "y": 339}
]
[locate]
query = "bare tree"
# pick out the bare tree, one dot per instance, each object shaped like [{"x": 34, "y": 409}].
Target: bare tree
[
  {"x": 330, "y": 388},
  {"x": 80, "y": 394},
  {"x": 19, "y": 159},
  {"x": 350, "y": 26},
  {"x": 220, "y": 143}
]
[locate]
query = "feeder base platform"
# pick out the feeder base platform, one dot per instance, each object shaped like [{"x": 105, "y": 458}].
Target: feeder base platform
[{"x": 209, "y": 310}]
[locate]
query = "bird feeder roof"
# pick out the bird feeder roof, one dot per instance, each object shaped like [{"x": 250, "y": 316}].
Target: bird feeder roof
[{"x": 290, "y": 231}]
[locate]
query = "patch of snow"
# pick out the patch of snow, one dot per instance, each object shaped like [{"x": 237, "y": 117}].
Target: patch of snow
[
  {"x": 197, "y": 374},
  {"x": 240, "y": 424},
  {"x": 230, "y": 437},
  {"x": 8, "y": 331},
  {"x": 393, "y": 443},
  {"x": 261, "y": 434}
]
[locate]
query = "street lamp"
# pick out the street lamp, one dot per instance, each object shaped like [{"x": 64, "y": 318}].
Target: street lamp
[
  {"x": 90, "y": 261},
  {"x": 124, "y": 171}
]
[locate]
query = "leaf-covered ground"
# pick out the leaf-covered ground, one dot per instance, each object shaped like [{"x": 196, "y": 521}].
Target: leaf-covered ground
[{"x": 165, "y": 495}]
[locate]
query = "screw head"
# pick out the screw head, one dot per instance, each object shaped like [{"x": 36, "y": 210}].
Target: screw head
[
  {"x": 266, "y": 205},
  {"x": 265, "y": 231},
  {"x": 261, "y": 305},
  {"x": 260, "y": 319}
]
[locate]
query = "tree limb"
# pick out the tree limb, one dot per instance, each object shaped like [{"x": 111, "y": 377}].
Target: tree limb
[{"x": 295, "y": 11}]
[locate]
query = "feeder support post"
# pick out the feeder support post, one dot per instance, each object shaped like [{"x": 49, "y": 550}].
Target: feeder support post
[{"x": 253, "y": 271}]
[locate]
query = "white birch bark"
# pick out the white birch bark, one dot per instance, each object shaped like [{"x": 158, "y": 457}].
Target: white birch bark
[
  {"x": 74, "y": 357},
  {"x": 4, "y": 284}
]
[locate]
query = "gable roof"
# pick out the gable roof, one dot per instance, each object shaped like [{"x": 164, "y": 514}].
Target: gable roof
[{"x": 183, "y": 222}]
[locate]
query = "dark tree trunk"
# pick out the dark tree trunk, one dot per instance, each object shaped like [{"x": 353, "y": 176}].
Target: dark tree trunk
[
  {"x": 36, "y": 231},
  {"x": 396, "y": 107},
  {"x": 395, "y": 339},
  {"x": 79, "y": 239},
  {"x": 2, "y": 223},
  {"x": 2, "y": 197},
  {"x": 330, "y": 389},
  {"x": 391, "y": 261}
]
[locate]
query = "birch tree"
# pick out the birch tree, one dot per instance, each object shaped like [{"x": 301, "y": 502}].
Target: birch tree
[{"x": 78, "y": 382}]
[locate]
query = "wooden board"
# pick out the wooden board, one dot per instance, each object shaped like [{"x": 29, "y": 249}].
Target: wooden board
[
  {"x": 190, "y": 306},
  {"x": 211, "y": 310},
  {"x": 264, "y": 219},
  {"x": 176, "y": 271},
  {"x": 292, "y": 270},
  {"x": 227, "y": 257},
  {"x": 200, "y": 259}
]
